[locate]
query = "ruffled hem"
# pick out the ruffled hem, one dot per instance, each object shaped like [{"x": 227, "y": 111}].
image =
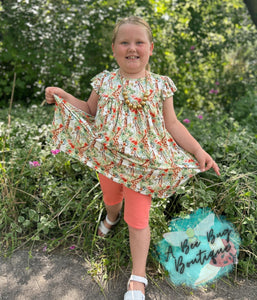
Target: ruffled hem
[{"x": 73, "y": 133}]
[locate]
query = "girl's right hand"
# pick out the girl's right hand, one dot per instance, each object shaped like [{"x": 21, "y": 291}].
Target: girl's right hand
[{"x": 51, "y": 91}]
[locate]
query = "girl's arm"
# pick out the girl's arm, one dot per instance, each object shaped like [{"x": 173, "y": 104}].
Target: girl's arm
[
  {"x": 184, "y": 139},
  {"x": 89, "y": 106}
]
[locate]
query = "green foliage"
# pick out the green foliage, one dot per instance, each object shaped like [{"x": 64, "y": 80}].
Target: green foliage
[
  {"x": 207, "y": 47},
  {"x": 33, "y": 195},
  {"x": 245, "y": 111},
  {"x": 201, "y": 40},
  {"x": 233, "y": 194},
  {"x": 57, "y": 202}
]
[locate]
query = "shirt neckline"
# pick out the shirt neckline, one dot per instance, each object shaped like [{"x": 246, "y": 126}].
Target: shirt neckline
[{"x": 140, "y": 79}]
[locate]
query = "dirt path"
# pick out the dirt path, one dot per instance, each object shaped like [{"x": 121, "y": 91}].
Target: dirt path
[{"x": 48, "y": 277}]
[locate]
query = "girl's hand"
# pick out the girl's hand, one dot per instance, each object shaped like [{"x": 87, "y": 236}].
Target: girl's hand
[
  {"x": 51, "y": 91},
  {"x": 206, "y": 162}
]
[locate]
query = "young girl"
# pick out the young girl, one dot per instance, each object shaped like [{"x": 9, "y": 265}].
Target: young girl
[{"x": 128, "y": 132}]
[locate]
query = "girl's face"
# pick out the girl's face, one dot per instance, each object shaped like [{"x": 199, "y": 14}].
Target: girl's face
[{"x": 132, "y": 49}]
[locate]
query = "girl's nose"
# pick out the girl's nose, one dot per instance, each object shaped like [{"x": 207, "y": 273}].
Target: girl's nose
[{"x": 132, "y": 47}]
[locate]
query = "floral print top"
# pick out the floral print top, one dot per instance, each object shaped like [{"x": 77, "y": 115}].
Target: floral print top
[{"x": 130, "y": 146}]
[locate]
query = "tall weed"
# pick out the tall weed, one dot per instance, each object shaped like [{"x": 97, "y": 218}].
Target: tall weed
[{"x": 50, "y": 201}]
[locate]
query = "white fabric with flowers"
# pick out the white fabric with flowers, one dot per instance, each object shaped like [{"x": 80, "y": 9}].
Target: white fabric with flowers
[{"x": 130, "y": 146}]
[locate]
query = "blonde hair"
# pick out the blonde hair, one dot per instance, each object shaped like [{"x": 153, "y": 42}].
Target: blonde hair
[{"x": 136, "y": 21}]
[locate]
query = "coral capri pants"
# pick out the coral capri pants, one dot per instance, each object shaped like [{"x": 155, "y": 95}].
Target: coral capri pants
[{"x": 136, "y": 205}]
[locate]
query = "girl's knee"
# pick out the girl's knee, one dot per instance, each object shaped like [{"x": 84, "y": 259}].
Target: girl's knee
[
  {"x": 137, "y": 227},
  {"x": 137, "y": 209}
]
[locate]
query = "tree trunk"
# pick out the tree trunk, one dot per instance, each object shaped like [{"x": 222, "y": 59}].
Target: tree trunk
[{"x": 252, "y": 8}]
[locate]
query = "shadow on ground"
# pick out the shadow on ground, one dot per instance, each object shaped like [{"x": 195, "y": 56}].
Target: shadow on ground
[{"x": 61, "y": 277}]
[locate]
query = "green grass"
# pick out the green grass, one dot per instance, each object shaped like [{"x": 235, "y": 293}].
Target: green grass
[{"x": 58, "y": 205}]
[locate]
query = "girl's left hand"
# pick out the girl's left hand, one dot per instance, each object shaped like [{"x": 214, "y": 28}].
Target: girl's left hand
[{"x": 206, "y": 162}]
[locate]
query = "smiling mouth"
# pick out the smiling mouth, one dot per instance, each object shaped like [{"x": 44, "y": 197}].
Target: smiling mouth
[{"x": 132, "y": 57}]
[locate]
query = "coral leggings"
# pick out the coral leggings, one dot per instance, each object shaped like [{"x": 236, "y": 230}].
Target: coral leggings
[{"x": 136, "y": 205}]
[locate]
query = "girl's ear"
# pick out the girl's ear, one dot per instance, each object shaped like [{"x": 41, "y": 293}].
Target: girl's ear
[
  {"x": 113, "y": 50},
  {"x": 151, "y": 48}
]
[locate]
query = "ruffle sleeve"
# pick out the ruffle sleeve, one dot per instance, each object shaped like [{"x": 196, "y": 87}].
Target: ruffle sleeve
[
  {"x": 98, "y": 80},
  {"x": 168, "y": 89}
]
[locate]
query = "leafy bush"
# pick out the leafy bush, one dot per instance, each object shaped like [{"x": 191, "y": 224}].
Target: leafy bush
[
  {"x": 37, "y": 184},
  {"x": 207, "y": 47},
  {"x": 233, "y": 194},
  {"x": 52, "y": 201}
]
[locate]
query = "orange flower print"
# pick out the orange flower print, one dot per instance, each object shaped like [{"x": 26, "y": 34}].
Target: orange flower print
[
  {"x": 97, "y": 162},
  {"x": 126, "y": 129},
  {"x": 133, "y": 141},
  {"x": 189, "y": 160},
  {"x": 70, "y": 143},
  {"x": 137, "y": 98},
  {"x": 150, "y": 189},
  {"x": 123, "y": 178}
]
